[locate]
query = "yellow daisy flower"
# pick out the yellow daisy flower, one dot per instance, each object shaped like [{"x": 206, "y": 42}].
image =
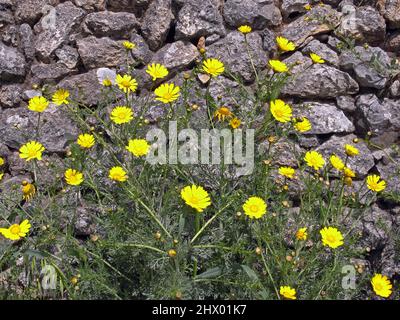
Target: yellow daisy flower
[
  {"x": 381, "y": 285},
  {"x": 235, "y": 123},
  {"x": 348, "y": 173},
  {"x": 38, "y": 104},
  {"x": 245, "y": 29},
  {"x": 213, "y": 67},
  {"x": 303, "y": 125},
  {"x": 1, "y": 175},
  {"x": 61, "y": 97},
  {"x": 126, "y": 83},
  {"x": 196, "y": 197},
  {"x": 280, "y": 110},
  {"x": 31, "y": 150},
  {"x": 157, "y": 71},
  {"x": 314, "y": 160},
  {"x": 138, "y": 147},
  {"x": 288, "y": 292},
  {"x": 336, "y": 162},
  {"x": 86, "y": 140},
  {"x": 374, "y": 184},
  {"x": 121, "y": 115},
  {"x": 307, "y": 7},
  {"x": 222, "y": 113},
  {"x": 316, "y": 58},
  {"x": 284, "y": 44},
  {"x": 255, "y": 207},
  {"x": 302, "y": 234},
  {"x": 278, "y": 66},
  {"x": 118, "y": 174},
  {"x": 1, "y": 161},
  {"x": 287, "y": 172},
  {"x": 128, "y": 45},
  {"x": 167, "y": 93},
  {"x": 73, "y": 177},
  {"x": 331, "y": 237},
  {"x": 28, "y": 190},
  {"x": 350, "y": 150},
  {"x": 16, "y": 231}
]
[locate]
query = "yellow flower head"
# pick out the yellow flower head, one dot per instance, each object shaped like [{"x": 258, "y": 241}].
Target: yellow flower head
[
  {"x": 1, "y": 161},
  {"x": 278, "y": 66},
  {"x": 1, "y": 175},
  {"x": 284, "y": 44},
  {"x": 316, "y": 58},
  {"x": 303, "y": 125},
  {"x": 336, "y": 162},
  {"x": 196, "y": 197},
  {"x": 287, "y": 172},
  {"x": 302, "y": 234},
  {"x": 73, "y": 177},
  {"x": 213, "y": 67},
  {"x": 126, "y": 83},
  {"x": 314, "y": 160},
  {"x": 121, "y": 115},
  {"x": 129, "y": 45},
  {"x": 167, "y": 93},
  {"x": 118, "y": 174},
  {"x": 31, "y": 150},
  {"x": 16, "y": 231},
  {"x": 288, "y": 292},
  {"x": 106, "y": 83},
  {"x": 61, "y": 97},
  {"x": 255, "y": 207},
  {"x": 331, "y": 237},
  {"x": 138, "y": 147},
  {"x": 245, "y": 29},
  {"x": 348, "y": 173},
  {"x": 38, "y": 104},
  {"x": 86, "y": 140},
  {"x": 222, "y": 113},
  {"x": 381, "y": 285},
  {"x": 350, "y": 150},
  {"x": 307, "y": 7},
  {"x": 28, "y": 190},
  {"x": 157, "y": 71},
  {"x": 280, "y": 110},
  {"x": 235, "y": 123},
  {"x": 374, "y": 184}
]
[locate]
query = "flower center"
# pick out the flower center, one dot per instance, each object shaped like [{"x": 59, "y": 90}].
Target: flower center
[
  {"x": 15, "y": 229},
  {"x": 253, "y": 208},
  {"x": 378, "y": 286},
  {"x": 331, "y": 238},
  {"x": 126, "y": 83},
  {"x": 194, "y": 200}
]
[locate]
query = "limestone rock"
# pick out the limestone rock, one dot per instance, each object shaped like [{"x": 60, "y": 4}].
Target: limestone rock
[{"x": 12, "y": 64}]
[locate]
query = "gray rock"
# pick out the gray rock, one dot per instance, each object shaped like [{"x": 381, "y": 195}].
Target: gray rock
[
  {"x": 27, "y": 41},
  {"x": 54, "y": 29},
  {"x": 320, "y": 19},
  {"x": 382, "y": 118},
  {"x": 12, "y": 64},
  {"x": 320, "y": 81},
  {"x": 68, "y": 56},
  {"x": 232, "y": 51},
  {"x": 49, "y": 73},
  {"x": 298, "y": 63},
  {"x": 18, "y": 125},
  {"x": 390, "y": 172},
  {"x": 30, "y": 11},
  {"x": 283, "y": 152},
  {"x": 10, "y": 95},
  {"x": 197, "y": 19},
  {"x": 390, "y": 9},
  {"x": 324, "y": 117},
  {"x": 258, "y": 14},
  {"x": 269, "y": 40},
  {"x": 111, "y": 24},
  {"x": 141, "y": 54},
  {"x": 91, "y": 5},
  {"x": 361, "y": 163},
  {"x": 323, "y": 51},
  {"x": 83, "y": 87},
  {"x": 394, "y": 89},
  {"x": 101, "y": 52},
  {"x": 176, "y": 56},
  {"x": 293, "y": 6},
  {"x": 346, "y": 103},
  {"x": 156, "y": 23},
  {"x": 83, "y": 225},
  {"x": 370, "y": 66},
  {"x": 363, "y": 24},
  {"x": 136, "y": 6},
  {"x": 393, "y": 42},
  {"x": 377, "y": 225}
]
